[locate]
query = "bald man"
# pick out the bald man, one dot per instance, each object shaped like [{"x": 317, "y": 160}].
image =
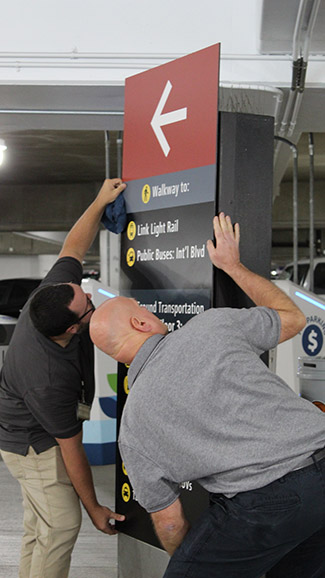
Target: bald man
[{"x": 203, "y": 406}]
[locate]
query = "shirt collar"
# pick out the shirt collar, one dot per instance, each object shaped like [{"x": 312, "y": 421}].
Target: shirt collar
[{"x": 142, "y": 356}]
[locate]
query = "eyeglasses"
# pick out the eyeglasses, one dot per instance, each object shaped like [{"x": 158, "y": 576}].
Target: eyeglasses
[{"x": 90, "y": 310}]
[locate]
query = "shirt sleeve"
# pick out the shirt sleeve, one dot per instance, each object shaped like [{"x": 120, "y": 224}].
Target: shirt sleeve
[
  {"x": 56, "y": 413},
  {"x": 261, "y": 327},
  {"x": 64, "y": 270},
  {"x": 152, "y": 490}
]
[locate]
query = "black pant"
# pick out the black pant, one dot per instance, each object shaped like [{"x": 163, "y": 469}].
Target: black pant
[{"x": 279, "y": 529}]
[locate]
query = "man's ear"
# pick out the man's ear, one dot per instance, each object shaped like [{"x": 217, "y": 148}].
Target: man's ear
[
  {"x": 140, "y": 324},
  {"x": 73, "y": 329}
]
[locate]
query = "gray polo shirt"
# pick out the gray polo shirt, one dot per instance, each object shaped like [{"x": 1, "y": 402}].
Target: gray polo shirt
[{"x": 203, "y": 406}]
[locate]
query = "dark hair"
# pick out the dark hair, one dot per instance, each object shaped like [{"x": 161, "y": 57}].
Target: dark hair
[{"x": 49, "y": 311}]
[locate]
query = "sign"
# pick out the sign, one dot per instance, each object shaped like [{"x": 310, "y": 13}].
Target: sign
[
  {"x": 170, "y": 118},
  {"x": 312, "y": 339},
  {"x": 166, "y": 248},
  {"x": 169, "y": 164}
]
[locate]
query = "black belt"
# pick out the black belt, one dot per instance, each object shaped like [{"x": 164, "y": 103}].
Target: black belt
[{"x": 315, "y": 457}]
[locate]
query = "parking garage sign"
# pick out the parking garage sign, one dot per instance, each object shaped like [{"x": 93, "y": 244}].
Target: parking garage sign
[
  {"x": 171, "y": 116},
  {"x": 169, "y": 164}
]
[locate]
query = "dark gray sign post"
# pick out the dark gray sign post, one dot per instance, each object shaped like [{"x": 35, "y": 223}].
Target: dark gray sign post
[{"x": 183, "y": 163}]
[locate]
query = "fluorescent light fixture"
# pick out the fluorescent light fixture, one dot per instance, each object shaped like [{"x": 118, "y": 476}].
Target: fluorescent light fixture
[
  {"x": 3, "y": 148},
  {"x": 106, "y": 293},
  {"x": 310, "y": 300}
]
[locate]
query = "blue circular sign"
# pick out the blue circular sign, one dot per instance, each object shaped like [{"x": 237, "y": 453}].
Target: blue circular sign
[{"x": 312, "y": 340}]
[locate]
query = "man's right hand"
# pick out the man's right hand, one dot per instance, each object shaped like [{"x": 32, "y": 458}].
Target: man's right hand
[{"x": 261, "y": 291}]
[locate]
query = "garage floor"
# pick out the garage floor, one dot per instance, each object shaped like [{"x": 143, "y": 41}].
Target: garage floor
[{"x": 95, "y": 554}]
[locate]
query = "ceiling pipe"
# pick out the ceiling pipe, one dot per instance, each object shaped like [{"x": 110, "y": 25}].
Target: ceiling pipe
[
  {"x": 119, "y": 145},
  {"x": 62, "y": 112},
  {"x": 294, "y": 204},
  {"x": 311, "y": 210},
  {"x": 305, "y": 22},
  {"x": 111, "y": 61},
  {"x": 107, "y": 159}
]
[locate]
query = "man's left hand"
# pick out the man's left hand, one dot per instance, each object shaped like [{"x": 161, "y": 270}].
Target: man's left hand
[
  {"x": 111, "y": 188},
  {"x": 225, "y": 253},
  {"x": 101, "y": 518}
]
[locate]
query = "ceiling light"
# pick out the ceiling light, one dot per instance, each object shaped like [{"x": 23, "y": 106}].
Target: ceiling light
[{"x": 2, "y": 150}]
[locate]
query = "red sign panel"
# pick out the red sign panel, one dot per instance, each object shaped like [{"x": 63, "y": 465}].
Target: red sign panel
[{"x": 171, "y": 114}]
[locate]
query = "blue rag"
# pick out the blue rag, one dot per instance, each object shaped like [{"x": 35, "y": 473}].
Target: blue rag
[{"x": 114, "y": 217}]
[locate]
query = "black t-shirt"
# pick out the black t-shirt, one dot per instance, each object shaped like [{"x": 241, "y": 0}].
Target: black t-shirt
[{"x": 41, "y": 381}]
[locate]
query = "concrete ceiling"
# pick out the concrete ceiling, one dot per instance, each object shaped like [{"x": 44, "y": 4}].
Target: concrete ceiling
[
  {"x": 278, "y": 26},
  {"x": 70, "y": 156},
  {"x": 55, "y": 156},
  {"x": 56, "y": 134},
  {"x": 59, "y": 169}
]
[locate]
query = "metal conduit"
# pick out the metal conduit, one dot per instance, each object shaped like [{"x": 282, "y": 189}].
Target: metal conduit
[
  {"x": 64, "y": 112},
  {"x": 119, "y": 143},
  {"x": 107, "y": 147},
  {"x": 305, "y": 22},
  {"x": 311, "y": 210},
  {"x": 294, "y": 205}
]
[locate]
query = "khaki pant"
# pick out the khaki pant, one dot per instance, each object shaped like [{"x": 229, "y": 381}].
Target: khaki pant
[{"x": 52, "y": 513}]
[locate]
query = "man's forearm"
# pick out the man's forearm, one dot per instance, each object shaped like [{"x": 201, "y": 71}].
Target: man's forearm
[
  {"x": 264, "y": 293},
  {"x": 79, "y": 472},
  {"x": 260, "y": 290},
  {"x": 83, "y": 233},
  {"x": 171, "y": 540},
  {"x": 171, "y": 526}
]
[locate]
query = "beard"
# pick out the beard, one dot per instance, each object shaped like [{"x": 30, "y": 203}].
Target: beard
[
  {"x": 82, "y": 328},
  {"x": 84, "y": 325}
]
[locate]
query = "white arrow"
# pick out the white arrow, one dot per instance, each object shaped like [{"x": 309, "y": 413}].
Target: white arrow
[{"x": 159, "y": 119}]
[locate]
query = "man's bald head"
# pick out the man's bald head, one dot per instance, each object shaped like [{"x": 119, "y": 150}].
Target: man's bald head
[
  {"x": 120, "y": 326},
  {"x": 110, "y": 324}
]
